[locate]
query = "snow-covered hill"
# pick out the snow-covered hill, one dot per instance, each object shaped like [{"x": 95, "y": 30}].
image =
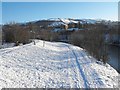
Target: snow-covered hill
[
  {"x": 61, "y": 21},
  {"x": 55, "y": 65}
]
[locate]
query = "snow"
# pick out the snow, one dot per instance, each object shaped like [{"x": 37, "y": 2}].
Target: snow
[
  {"x": 7, "y": 45},
  {"x": 56, "y": 65},
  {"x": 60, "y": 21},
  {"x": 90, "y": 21},
  {"x": 67, "y": 21},
  {"x": 57, "y": 24}
]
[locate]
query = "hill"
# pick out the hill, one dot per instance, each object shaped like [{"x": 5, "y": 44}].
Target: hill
[{"x": 53, "y": 65}]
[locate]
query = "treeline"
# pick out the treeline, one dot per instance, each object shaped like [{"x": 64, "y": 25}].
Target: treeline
[
  {"x": 93, "y": 40},
  {"x": 15, "y": 33},
  {"x": 23, "y": 33}
]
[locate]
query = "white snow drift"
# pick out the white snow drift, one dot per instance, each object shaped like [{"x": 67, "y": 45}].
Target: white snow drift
[{"x": 56, "y": 65}]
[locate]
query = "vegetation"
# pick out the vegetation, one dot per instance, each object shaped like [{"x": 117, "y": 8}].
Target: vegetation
[
  {"x": 15, "y": 33},
  {"x": 91, "y": 38}
]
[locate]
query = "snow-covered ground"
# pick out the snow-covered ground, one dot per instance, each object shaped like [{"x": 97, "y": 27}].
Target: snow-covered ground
[
  {"x": 7, "y": 45},
  {"x": 56, "y": 65}
]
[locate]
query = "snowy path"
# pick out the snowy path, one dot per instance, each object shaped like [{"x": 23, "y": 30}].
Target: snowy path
[
  {"x": 89, "y": 75},
  {"x": 56, "y": 65}
]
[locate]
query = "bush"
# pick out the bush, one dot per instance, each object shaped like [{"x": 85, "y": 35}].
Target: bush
[
  {"x": 15, "y": 33},
  {"x": 93, "y": 41}
]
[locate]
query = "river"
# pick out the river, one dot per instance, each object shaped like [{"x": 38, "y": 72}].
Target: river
[{"x": 114, "y": 54}]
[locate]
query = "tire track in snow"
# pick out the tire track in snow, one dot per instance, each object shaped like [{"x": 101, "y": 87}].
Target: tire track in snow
[
  {"x": 80, "y": 69},
  {"x": 72, "y": 72},
  {"x": 93, "y": 75}
]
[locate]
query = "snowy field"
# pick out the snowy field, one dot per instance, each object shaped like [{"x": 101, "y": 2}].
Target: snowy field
[
  {"x": 56, "y": 65},
  {"x": 7, "y": 45}
]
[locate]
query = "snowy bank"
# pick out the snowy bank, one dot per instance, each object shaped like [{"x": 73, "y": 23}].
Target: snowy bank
[
  {"x": 56, "y": 65},
  {"x": 7, "y": 45}
]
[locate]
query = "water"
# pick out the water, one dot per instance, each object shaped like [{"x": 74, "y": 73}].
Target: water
[{"x": 114, "y": 54}]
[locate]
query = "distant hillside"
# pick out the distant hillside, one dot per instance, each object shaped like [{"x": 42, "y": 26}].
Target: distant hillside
[
  {"x": 60, "y": 21},
  {"x": 71, "y": 23}
]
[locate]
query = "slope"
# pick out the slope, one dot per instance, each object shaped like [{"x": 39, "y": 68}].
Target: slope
[{"x": 56, "y": 65}]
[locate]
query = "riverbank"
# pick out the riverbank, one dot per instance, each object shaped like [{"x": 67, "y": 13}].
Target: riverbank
[{"x": 114, "y": 55}]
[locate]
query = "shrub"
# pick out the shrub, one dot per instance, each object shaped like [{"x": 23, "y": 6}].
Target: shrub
[{"x": 93, "y": 41}]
